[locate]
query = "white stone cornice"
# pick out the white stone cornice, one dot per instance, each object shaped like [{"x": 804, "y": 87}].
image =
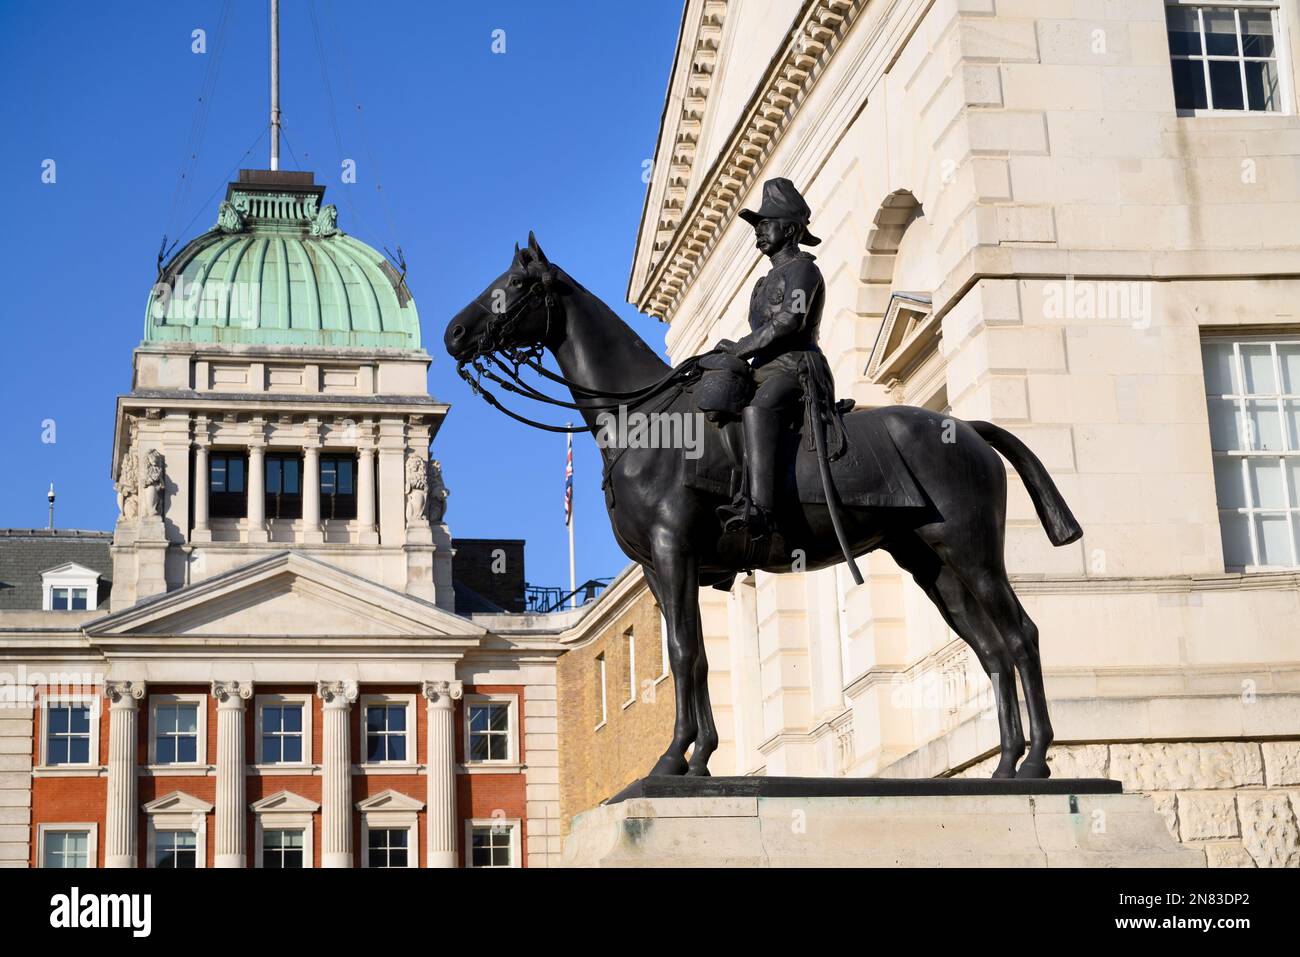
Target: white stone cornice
[
  {"x": 232, "y": 692},
  {"x": 339, "y": 694},
  {"x": 124, "y": 693},
  {"x": 818, "y": 30},
  {"x": 436, "y": 691}
]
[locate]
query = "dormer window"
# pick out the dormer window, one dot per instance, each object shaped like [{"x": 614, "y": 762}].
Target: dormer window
[{"x": 70, "y": 587}]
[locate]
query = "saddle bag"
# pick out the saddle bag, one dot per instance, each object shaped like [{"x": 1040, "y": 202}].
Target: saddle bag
[{"x": 725, "y": 388}]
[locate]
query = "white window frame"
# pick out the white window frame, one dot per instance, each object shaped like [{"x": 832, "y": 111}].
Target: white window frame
[
  {"x": 629, "y": 637},
  {"x": 512, "y": 736},
  {"x": 412, "y": 743},
  {"x": 92, "y": 841},
  {"x": 178, "y": 811},
  {"x": 47, "y": 701},
  {"x": 604, "y": 694},
  {"x": 278, "y": 700},
  {"x": 515, "y": 832},
  {"x": 1285, "y": 455},
  {"x": 70, "y": 575},
  {"x": 201, "y": 745},
  {"x": 1282, "y": 48},
  {"x": 391, "y": 810},
  {"x": 284, "y": 811}
]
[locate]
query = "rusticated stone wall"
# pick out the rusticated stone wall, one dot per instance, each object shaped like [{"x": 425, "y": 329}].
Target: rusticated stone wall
[{"x": 1239, "y": 801}]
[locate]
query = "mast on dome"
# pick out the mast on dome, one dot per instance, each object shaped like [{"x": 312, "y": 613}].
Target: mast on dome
[{"x": 275, "y": 84}]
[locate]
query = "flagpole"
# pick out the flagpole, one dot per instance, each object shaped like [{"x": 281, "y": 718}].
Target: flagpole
[{"x": 573, "y": 581}]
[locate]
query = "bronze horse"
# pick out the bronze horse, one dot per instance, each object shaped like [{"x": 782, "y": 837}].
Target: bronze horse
[{"x": 951, "y": 541}]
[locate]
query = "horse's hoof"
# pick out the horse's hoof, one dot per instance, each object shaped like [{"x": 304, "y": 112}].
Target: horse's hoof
[
  {"x": 668, "y": 766},
  {"x": 1002, "y": 773},
  {"x": 697, "y": 772},
  {"x": 1034, "y": 769}
]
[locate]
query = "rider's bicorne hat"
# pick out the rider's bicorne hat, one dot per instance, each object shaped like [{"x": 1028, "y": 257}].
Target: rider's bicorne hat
[{"x": 782, "y": 201}]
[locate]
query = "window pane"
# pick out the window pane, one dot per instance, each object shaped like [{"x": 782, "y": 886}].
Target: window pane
[
  {"x": 1266, "y": 483},
  {"x": 1273, "y": 532},
  {"x": 497, "y": 747},
  {"x": 1236, "y": 539},
  {"x": 272, "y": 718},
  {"x": 396, "y": 718},
  {"x": 1189, "y": 85},
  {"x": 1184, "y": 34},
  {"x": 1219, "y": 362},
  {"x": 478, "y": 718},
  {"x": 292, "y": 718},
  {"x": 501, "y": 856},
  {"x": 1289, "y": 356},
  {"x": 56, "y": 752},
  {"x": 1291, "y": 413},
  {"x": 378, "y": 859},
  {"x": 293, "y": 859},
  {"x": 396, "y": 748},
  {"x": 186, "y": 749},
  {"x": 78, "y": 599},
  {"x": 291, "y": 477},
  {"x": 272, "y": 476},
  {"x": 1224, "y": 422},
  {"x": 1220, "y": 32},
  {"x": 1262, "y": 89},
  {"x": 235, "y": 475},
  {"x": 1257, "y": 363},
  {"x": 345, "y": 469},
  {"x": 166, "y": 752},
  {"x": 59, "y": 599},
  {"x": 500, "y": 717},
  {"x": 217, "y": 475},
  {"x": 79, "y": 751},
  {"x": 1257, "y": 33},
  {"x": 478, "y": 748},
  {"x": 292, "y": 749},
  {"x": 1225, "y": 85},
  {"x": 327, "y": 477},
  {"x": 58, "y": 718},
  {"x": 270, "y": 749},
  {"x": 79, "y": 720},
  {"x": 375, "y": 719},
  {"x": 1263, "y": 426},
  {"x": 187, "y": 718},
  {"x": 375, "y": 750}
]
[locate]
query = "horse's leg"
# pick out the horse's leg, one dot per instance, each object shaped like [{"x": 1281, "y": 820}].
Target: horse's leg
[
  {"x": 676, "y": 577},
  {"x": 706, "y": 738},
  {"x": 966, "y": 617}
]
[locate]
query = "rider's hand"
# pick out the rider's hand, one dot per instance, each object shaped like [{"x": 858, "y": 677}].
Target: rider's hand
[{"x": 727, "y": 346}]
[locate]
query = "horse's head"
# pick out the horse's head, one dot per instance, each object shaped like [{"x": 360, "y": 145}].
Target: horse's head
[{"x": 520, "y": 309}]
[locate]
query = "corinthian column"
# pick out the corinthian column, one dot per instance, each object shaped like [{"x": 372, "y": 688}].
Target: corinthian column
[
  {"x": 441, "y": 850},
  {"x": 232, "y": 841},
  {"x": 120, "y": 827},
  {"x": 336, "y": 774}
]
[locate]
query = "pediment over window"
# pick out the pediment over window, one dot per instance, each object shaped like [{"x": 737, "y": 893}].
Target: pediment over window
[
  {"x": 178, "y": 802},
  {"x": 285, "y": 802},
  {"x": 285, "y": 596},
  {"x": 389, "y": 800},
  {"x": 909, "y": 335}
]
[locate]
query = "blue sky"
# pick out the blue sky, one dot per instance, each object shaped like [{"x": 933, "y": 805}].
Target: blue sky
[{"x": 473, "y": 147}]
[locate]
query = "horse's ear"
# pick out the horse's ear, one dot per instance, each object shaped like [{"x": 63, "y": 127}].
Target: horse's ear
[
  {"x": 536, "y": 249},
  {"x": 521, "y": 258}
]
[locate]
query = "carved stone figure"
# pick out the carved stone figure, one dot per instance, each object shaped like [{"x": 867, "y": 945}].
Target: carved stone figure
[
  {"x": 128, "y": 484},
  {"x": 417, "y": 487},
  {"x": 229, "y": 219},
  {"x": 438, "y": 492},
  {"x": 326, "y": 221},
  {"x": 153, "y": 491}
]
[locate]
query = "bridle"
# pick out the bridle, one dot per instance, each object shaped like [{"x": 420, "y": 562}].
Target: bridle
[{"x": 494, "y": 359}]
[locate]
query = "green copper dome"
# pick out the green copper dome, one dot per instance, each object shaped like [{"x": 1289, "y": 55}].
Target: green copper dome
[{"x": 277, "y": 270}]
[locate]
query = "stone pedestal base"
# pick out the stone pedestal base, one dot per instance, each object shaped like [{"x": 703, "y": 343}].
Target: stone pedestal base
[{"x": 970, "y": 826}]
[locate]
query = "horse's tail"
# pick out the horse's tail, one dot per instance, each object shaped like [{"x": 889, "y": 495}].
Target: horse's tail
[{"x": 1058, "y": 521}]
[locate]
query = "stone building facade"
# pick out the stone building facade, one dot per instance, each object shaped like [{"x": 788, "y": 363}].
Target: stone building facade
[
  {"x": 276, "y": 676},
  {"x": 1077, "y": 220}
]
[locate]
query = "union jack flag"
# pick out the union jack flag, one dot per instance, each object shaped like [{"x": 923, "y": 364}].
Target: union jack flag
[{"x": 568, "y": 485}]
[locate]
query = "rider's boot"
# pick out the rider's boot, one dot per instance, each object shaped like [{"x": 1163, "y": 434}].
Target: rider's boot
[{"x": 762, "y": 432}]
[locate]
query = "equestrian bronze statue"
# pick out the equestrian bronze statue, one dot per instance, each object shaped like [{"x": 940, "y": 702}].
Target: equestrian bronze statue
[{"x": 927, "y": 488}]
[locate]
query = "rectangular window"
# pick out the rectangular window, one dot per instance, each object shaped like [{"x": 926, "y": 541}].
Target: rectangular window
[
  {"x": 600, "y": 688},
  {"x": 388, "y": 847},
  {"x": 491, "y": 846},
  {"x": 78, "y": 599},
  {"x": 67, "y": 734},
  {"x": 175, "y": 849},
  {"x": 283, "y": 486},
  {"x": 282, "y": 734},
  {"x": 176, "y": 733},
  {"x": 338, "y": 489},
  {"x": 630, "y": 638},
  {"x": 1224, "y": 56},
  {"x": 489, "y": 731},
  {"x": 386, "y": 732},
  {"x": 227, "y": 489},
  {"x": 283, "y": 849},
  {"x": 59, "y": 599},
  {"x": 1252, "y": 390},
  {"x": 66, "y": 849}
]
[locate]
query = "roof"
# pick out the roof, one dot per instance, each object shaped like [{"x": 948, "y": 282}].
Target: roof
[
  {"x": 25, "y": 553},
  {"x": 277, "y": 270}
]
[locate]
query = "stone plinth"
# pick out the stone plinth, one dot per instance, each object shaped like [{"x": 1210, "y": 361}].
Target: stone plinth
[{"x": 875, "y": 822}]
